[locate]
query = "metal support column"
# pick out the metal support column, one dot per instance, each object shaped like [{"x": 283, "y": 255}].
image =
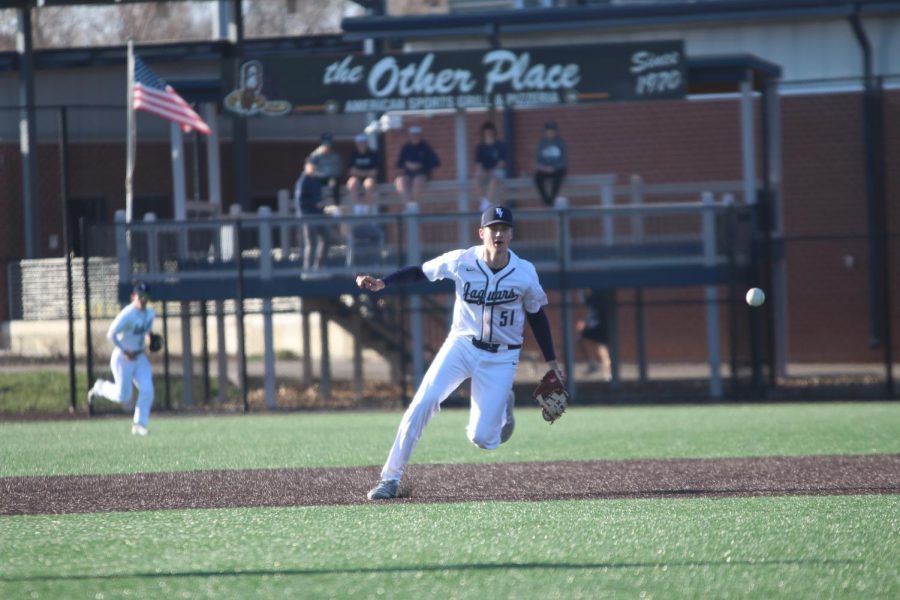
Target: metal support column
[
  {"x": 461, "y": 144},
  {"x": 239, "y": 311},
  {"x": 28, "y": 142},
  {"x": 213, "y": 164},
  {"x": 879, "y": 284},
  {"x": 179, "y": 198},
  {"x": 231, "y": 28},
  {"x": 358, "y": 375},
  {"x": 166, "y": 375},
  {"x": 711, "y": 294},
  {"x": 748, "y": 140},
  {"x": 608, "y": 200},
  {"x": 67, "y": 248},
  {"x": 565, "y": 249},
  {"x": 325, "y": 382},
  {"x": 307, "y": 345},
  {"x": 265, "y": 271},
  {"x": 414, "y": 257},
  {"x": 152, "y": 269},
  {"x": 773, "y": 182},
  {"x": 86, "y": 261},
  {"x": 615, "y": 348},
  {"x": 641, "y": 334}
]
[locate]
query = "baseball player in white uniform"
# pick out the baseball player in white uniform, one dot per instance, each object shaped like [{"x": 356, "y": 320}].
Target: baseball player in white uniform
[
  {"x": 129, "y": 362},
  {"x": 496, "y": 292}
]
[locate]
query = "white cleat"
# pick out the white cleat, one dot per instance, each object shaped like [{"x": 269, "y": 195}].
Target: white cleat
[
  {"x": 139, "y": 430},
  {"x": 386, "y": 489},
  {"x": 90, "y": 401}
]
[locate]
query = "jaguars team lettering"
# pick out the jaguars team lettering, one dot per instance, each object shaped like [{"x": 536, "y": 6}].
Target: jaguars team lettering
[{"x": 480, "y": 298}]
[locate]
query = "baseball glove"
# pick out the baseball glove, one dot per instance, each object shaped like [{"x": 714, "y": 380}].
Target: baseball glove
[
  {"x": 552, "y": 396},
  {"x": 156, "y": 342}
]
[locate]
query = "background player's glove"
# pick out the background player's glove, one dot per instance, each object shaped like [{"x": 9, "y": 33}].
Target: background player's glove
[
  {"x": 552, "y": 396},
  {"x": 156, "y": 342}
]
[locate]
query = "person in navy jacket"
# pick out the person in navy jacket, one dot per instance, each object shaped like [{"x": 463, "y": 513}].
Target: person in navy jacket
[
  {"x": 490, "y": 165},
  {"x": 416, "y": 162}
]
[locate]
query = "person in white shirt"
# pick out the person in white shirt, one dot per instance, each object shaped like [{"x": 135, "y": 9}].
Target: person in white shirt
[
  {"x": 496, "y": 292},
  {"x": 129, "y": 363}
]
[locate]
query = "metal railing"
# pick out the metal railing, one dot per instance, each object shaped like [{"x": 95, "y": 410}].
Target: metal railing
[{"x": 572, "y": 239}]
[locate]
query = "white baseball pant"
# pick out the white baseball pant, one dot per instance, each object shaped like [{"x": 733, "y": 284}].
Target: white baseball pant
[
  {"x": 126, "y": 372},
  {"x": 492, "y": 376}
]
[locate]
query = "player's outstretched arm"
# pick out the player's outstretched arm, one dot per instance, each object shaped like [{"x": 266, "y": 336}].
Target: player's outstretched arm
[
  {"x": 405, "y": 275},
  {"x": 367, "y": 282}
]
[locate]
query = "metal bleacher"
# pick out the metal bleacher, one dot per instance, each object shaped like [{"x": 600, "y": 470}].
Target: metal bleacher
[
  {"x": 603, "y": 236},
  {"x": 636, "y": 232}
]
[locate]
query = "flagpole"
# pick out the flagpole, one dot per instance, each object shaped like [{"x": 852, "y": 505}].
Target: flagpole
[{"x": 131, "y": 137}]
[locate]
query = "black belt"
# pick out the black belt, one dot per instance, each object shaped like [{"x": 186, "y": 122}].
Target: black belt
[{"x": 494, "y": 347}]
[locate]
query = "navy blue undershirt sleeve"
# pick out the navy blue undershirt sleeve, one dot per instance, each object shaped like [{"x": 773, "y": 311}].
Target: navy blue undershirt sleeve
[
  {"x": 411, "y": 274},
  {"x": 540, "y": 327}
]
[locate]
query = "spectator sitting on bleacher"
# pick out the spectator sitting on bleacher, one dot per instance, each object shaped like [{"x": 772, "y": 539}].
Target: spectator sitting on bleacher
[
  {"x": 550, "y": 162},
  {"x": 363, "y": 173},
  {"x": 490, "y": 165},
  {"x": 308, "y": 201},
  {"x": 416, "y": 161},
  {"x": 328, "y": 166}
]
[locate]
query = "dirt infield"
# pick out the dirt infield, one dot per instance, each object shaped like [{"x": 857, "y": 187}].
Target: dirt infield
[{"x": 682, "y": 478}]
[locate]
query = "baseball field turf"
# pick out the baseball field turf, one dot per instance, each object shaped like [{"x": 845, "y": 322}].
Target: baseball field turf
[{"x": 799, "y": 501}]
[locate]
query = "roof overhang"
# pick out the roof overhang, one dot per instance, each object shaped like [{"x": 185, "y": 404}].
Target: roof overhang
[
  {"x": 717, "y": 74},
  {"x": 98, "y": 56},
  {"x": 607, "y": 17}
]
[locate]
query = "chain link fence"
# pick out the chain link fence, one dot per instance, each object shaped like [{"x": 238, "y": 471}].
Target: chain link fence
[{"x": 837, "y": 344}]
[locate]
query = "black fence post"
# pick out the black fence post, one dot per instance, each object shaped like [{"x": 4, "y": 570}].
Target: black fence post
[
  {"x": 89, "y": 346},
  {"x": 759, "y": 248},
  {"x": 883, "y": 234},
  {"x": 640, "y": 330},
  {"x": 731, "y": 240},
  {"x": 773, "y": 246},
  {"x": 166, "y": 379},
  {"x": 204, "y": 313},
  {"x": 401, "y": 313},
  {"x": 67, "y": 247},
  {"x": 239, "y": 315}
]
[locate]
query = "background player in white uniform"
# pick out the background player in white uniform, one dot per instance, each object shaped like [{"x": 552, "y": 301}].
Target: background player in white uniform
[
  {"x": 129, "y": 362},
  {"x": 496, "y": 291}
]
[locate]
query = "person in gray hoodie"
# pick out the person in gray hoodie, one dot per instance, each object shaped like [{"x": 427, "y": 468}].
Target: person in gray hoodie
[
  {"x": 550, "y": 163},
  {"x": 328, "y": 167}
]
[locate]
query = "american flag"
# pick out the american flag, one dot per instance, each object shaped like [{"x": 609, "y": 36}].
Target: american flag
[{"x": 153, "y": 95}]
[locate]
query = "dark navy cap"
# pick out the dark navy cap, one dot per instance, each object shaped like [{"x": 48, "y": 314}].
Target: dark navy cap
[
  {"x": 141, "y": 289},
  {"x": 496, "y": 214},
  {"x": 550, "y": 125}
]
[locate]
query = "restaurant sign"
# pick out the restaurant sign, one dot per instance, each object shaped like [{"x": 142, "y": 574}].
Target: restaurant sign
[{"x": 516, "y": 77}]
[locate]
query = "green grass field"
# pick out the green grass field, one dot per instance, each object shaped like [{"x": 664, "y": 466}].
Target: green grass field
[{"x": 798, "y": 547}]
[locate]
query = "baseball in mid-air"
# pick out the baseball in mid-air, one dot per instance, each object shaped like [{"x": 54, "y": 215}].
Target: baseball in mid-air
[{"x": 755, "y": 297}]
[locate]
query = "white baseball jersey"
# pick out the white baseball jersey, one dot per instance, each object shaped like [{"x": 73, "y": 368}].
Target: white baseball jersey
[
  {"x": 489, "y": 306},
  {"x": 128, "y": 331},
  {"x": 130, "y": 328}
]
